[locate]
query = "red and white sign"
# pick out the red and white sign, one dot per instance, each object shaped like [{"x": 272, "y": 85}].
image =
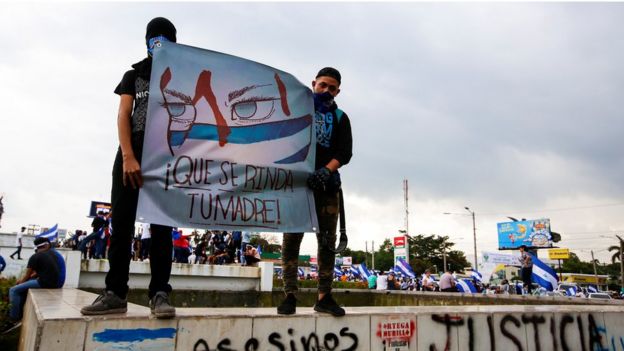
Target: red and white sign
[
  {"x": 396, "y": 329},
  {"x": 313, "y": 260},
  {"x": 399, "y": 241},
  {"x": 347, "y": 261}
]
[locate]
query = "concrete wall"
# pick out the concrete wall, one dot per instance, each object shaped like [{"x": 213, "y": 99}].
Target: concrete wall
[
  {"x": 91, "y": 273},
  {"x": 53, "y": 323},
  {"x": 186, "y": 276}
]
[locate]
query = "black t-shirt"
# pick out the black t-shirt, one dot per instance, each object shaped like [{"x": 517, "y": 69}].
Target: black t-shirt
[
  {"x": 136, "y": 82},
  {"x": 46, "y": 265},
  {"x": 333, "y": 138},
  {"x": 98, "y": 223}
]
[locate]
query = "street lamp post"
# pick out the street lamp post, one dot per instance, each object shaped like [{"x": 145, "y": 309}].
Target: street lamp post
[{"x": 474, "y": 236}]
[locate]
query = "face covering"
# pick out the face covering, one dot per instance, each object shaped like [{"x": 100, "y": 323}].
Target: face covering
[
  {"x": 323, "y": 101},
  {"x": 154, "y": 42}
]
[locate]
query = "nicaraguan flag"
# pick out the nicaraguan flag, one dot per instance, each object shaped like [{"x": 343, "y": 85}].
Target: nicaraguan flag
[
  {"x": 571, "y": 291},
  {"x": 592, "y": 289},
  {"x": 544, "y": 275},
  {"x": 259, "y": 249},
  {"x": 364, "y": 273},
  {"x": 476, "y": 275},
  {"x": 51, "y": 234},
  {"x": 337, "y": 272},
  {"x": 466, "y": 286},
  {"x": 404, "y": 268},
  {"x": 354, "y": 271},
  {"x": 300, "y": 272}
]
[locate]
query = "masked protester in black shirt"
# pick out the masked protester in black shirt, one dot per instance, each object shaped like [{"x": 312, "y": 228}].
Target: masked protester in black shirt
[{"x": 127, "y": 179}]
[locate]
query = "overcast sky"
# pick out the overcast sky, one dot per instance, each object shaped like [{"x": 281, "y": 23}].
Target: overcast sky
[{"x": 512, "y": 109}]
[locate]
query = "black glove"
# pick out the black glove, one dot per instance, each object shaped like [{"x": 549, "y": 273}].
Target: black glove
[
  {"x": 318, "y": 179},
  {"x": 333, "y": 183}
]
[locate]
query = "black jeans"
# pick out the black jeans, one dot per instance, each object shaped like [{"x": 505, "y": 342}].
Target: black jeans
[
  {"x": 124, "y": 200},
  {"x": 18, "y": 252},
  {"x": 526, "y": 273}
]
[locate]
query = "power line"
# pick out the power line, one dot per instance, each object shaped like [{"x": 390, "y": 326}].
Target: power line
[{"x": 549, "y": 209}]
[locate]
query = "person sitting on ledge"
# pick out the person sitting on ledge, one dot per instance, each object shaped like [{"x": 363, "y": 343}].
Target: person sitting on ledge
[
  {"x": 251, "y": 256},
  {"x": 45, "y": 270}
]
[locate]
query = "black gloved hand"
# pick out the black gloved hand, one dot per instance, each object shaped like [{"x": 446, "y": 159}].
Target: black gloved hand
[{"x": 318, "y": 179}]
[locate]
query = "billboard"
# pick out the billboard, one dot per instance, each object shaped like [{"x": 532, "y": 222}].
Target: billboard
[
  {"x": 533, "y": 233},
  {"x": 97, "y": 206}
]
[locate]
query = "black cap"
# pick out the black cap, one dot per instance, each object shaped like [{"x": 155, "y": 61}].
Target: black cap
[
  {"x": 39, "y": 242},
  {"x": 329, "y": 72},
  {"x": 160, "y": 26}
]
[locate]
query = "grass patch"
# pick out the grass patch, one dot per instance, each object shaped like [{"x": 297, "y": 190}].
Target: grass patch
[{"x": 9, "y": 341}]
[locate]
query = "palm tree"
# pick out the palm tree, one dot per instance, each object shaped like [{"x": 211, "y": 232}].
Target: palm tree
[{"x": 616, "y": 256}]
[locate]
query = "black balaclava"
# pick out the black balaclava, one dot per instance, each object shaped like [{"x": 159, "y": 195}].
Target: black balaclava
[
  {"x": 160, "y": 26},
  {"x": 156, "y": 27}
]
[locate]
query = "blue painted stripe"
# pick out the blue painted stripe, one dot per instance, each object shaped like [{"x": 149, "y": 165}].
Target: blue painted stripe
[
  {"x": 296, "y": 157},
  {"x": 244, "y": 134},
  {"x": 133, "y": 335}
]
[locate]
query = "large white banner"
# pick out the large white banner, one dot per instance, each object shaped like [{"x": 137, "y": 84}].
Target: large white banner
[
  {"x": 499, "y": 258},
  {"x": 229, "y": 144}
]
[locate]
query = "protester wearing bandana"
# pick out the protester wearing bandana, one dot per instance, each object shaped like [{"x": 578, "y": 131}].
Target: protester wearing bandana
[
  {"x": 127, "y": 179},
  {"x": 333, "y": 150}
]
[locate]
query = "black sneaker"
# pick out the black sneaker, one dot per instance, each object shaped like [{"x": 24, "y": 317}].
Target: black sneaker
[
  {"x": 328, "y": 305},
  {"x": 288, "y": 306},
  {"x": 160, "y": 306},
  {"x": 106, "y": 303}
]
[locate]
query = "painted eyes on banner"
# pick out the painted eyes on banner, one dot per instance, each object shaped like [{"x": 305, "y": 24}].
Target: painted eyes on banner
[
  {"x": 176, "y": 109},
  {"x": 253, "y": 109}
]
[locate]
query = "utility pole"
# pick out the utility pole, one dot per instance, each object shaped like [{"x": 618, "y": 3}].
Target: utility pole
[
  {"x": 373, "y": 258},
  {"x": 444, "y": 256},
  {"x": 474, "y": 237},
  {"x": 594, "y": 263},
  {"x": 621, "y": 262},
  {"x": 406, "y": 208}
]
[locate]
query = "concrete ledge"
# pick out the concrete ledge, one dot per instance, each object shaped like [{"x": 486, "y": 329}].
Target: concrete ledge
[
  {"x": 52, "y": 321},
  {"x": 184, "y": 276}
]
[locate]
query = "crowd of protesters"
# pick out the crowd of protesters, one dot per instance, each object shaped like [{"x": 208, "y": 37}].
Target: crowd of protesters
[
  {"x": 194, "y": 247},
  {"x": 392, "y": 280}
]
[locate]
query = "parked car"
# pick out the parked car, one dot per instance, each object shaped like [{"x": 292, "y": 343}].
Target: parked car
[{"x": 602, "y": 295}]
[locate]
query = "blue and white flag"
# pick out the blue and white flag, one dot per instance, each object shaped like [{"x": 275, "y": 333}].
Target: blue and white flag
[
  {"x": 592, "y": 288},
  {"x": 259, "y": 249},
  {"x": 364, "y": 273},
  {"x": 571, "y": 291},
  {"x": 476, "y": 275},
  {"x": 354, "y": 271},
  {"x": 51, "y": 234},
  {"x": 544, "y": 275},
  {"x": 337, "y": 272},
  {"x": 300, "y": 272},
  {"x": 466, "y": 286},
  {"x": 404, "y": 268},
  {"x": 229, "y": 144}
]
